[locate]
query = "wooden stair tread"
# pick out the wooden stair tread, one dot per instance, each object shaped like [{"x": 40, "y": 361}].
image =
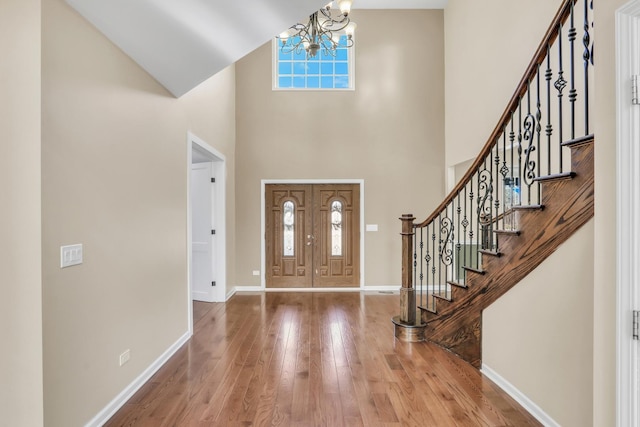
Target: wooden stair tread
[
  {"x": 587, "y": 139},
  {"x": 490, "y": 253},
  {"x": 556, "y": 177},
  {"x": 475, "y": 270},
  {"x": 430, "y": 310},
  {"x": 508, "y": 232},
  {"x": 457, "y": 284},
  {"x": 528, "y": 207},
  {"x": 445, "y": 297}
]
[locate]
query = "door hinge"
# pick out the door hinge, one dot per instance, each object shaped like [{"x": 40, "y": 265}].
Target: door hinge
[
  {"x": 213, "y": 231},
  {"x": 213, "y": 180},
  {"x": 634, "y": 90},
  {"x": 213, "y": 283},
  {"x": 636, "y": 326}
]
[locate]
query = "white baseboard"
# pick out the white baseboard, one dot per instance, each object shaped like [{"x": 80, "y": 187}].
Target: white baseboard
[
  {"x": 519, "y": 397},
  {"x": 237, "y": 289},
  {"x": 201, "y": 296},
  {"x": 394, "y": 288},
  {"x": 103, "y": 416}
]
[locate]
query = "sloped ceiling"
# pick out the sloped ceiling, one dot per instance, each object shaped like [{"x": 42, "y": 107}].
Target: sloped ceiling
[{"x": 183, "y": 43}]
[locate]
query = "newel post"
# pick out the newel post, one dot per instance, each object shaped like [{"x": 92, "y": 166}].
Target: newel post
[{"x": 407, "y": 292}]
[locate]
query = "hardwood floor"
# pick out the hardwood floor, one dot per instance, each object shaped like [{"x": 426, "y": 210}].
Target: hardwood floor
[{"x": 313, "y": 359}]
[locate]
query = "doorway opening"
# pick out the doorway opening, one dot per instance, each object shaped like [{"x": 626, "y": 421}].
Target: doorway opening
[
  {"x": 206, "y": 230},
  {"x": 312, "y": 234}
]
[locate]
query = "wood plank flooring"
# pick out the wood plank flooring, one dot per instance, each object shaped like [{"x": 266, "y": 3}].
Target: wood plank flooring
[{"x": 313, "y": 359}]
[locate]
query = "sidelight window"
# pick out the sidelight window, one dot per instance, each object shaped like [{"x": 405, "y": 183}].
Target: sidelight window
[
  {"x": 336, "y": 228},
  {"x": 288, "y": 228}
]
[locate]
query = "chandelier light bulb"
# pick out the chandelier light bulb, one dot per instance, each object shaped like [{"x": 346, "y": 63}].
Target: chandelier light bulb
[
  {"x": 345, "y": 6},
  {"x": 285, "y": 35},
  {"x": 350, "y": 29}
]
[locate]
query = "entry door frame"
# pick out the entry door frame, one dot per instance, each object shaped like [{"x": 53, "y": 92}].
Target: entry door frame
[
  {"x": 219, "y": 170},
  {"x": 263, "y": 241},
  {"x": 628, "y": 215}
]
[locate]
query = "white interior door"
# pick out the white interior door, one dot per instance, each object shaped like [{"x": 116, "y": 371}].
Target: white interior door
[{"x": 202, "y": 237}]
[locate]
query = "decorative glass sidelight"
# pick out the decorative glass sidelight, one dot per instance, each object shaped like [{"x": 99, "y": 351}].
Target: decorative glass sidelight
[
  {"x": 336, "y": 228},
  {"x": 288, "y": 228}
]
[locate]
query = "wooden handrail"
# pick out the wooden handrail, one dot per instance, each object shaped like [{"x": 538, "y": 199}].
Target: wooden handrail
[{"x": 538, "y": 58}]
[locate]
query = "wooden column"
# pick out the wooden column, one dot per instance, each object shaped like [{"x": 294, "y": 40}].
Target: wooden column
[{"x": 407, "y": 292}]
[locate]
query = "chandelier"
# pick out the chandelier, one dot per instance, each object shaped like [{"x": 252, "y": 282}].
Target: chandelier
[{"x": 322, "y": 32}]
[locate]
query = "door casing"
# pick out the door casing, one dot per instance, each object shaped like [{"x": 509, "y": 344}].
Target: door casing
[
  {"x": 628, "y": 215},
  {"x": 198, "y": 147},
  {"x": 263, "y": 262}
]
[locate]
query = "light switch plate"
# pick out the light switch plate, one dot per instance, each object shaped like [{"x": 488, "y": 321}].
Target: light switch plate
[
  {"x": 372, "y": 227},
  {"x": 70, "y": 255}
]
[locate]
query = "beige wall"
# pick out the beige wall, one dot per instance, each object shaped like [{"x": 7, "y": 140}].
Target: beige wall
[
  {"x": 544, "y": 346},
  {"x": 389, "y": 132},
  {"x": 491, "y": 42},
  {"x": 20, "y": 272},
  {"x": 114, "y": 179}
]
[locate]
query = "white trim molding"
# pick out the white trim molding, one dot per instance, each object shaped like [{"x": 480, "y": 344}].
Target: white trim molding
[
  {"x": 628, "y": 214},
  {"x": 103, "y": 416},
  {"x": 263, "y": 254},
  {"x": 368, "y": 289},
  {"x": 519, "y": 397}
]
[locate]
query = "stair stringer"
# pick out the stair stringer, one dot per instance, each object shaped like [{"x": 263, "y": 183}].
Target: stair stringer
[{"x": 568, "y": 205}]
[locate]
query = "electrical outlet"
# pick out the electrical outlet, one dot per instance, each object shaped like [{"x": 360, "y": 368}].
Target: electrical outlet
[
  {"x": 125, "y": 356},
  {"x": 256, "y": 272}
]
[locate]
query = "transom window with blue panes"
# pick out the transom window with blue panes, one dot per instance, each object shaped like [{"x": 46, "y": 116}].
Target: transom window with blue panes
[{"x": 298, "y": 70}]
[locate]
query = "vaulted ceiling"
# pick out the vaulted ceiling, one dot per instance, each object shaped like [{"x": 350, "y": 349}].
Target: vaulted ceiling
[{"x": 183, "y": 43}]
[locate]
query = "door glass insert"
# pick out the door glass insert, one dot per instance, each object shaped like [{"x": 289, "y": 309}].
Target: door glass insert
[
  {"x": 288, "y": 229},
  {"x": 336, "y": 228}
]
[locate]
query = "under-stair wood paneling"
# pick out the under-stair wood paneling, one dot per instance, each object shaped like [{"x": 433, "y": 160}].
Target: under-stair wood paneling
[
  {"x": 567, "y": 204},
  {"x": 313, "y": 359}
]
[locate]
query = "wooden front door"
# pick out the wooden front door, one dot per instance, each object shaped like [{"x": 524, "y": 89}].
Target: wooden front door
[{"x": 312, "y": 235}]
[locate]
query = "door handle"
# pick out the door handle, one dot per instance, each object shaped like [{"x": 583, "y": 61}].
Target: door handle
[{"x": 310, "y": 236}]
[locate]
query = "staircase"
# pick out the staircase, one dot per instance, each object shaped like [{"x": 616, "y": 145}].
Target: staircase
[{"x": 527, "y": 192}]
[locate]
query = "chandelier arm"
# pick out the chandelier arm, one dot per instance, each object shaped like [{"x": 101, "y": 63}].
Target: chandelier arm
[{"x": 317, "y": 34}]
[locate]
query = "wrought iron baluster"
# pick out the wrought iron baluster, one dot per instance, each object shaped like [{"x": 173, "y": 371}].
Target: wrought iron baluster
[
  {"x": 560, "y": 84},
  {"x": 504, "y": 170},
  {"x": 484, "y": 211},
  {"x": 512, "y": 138},
  {"x": 427, "y": 260},
  {"x": 421, "y": 263},
  {"x": 573, "y": 93},
  {"x": 587, "y": 56},
  {"x": 519, "y": 177},
  {"x": 446, "y": 251},
  {"x": 538, "y": 130},
  {"x": 465, "y": 223},
  {"x": 496, "y": 201},
  {"x": 458, "y": 245},
  {"x": 433, "y": 252},
  {"x": 440, "y": 255},
  {"x": 549, "y": 128},
  {"x": 529, "y": 163},
  {"x": 471, "y": 197}
]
